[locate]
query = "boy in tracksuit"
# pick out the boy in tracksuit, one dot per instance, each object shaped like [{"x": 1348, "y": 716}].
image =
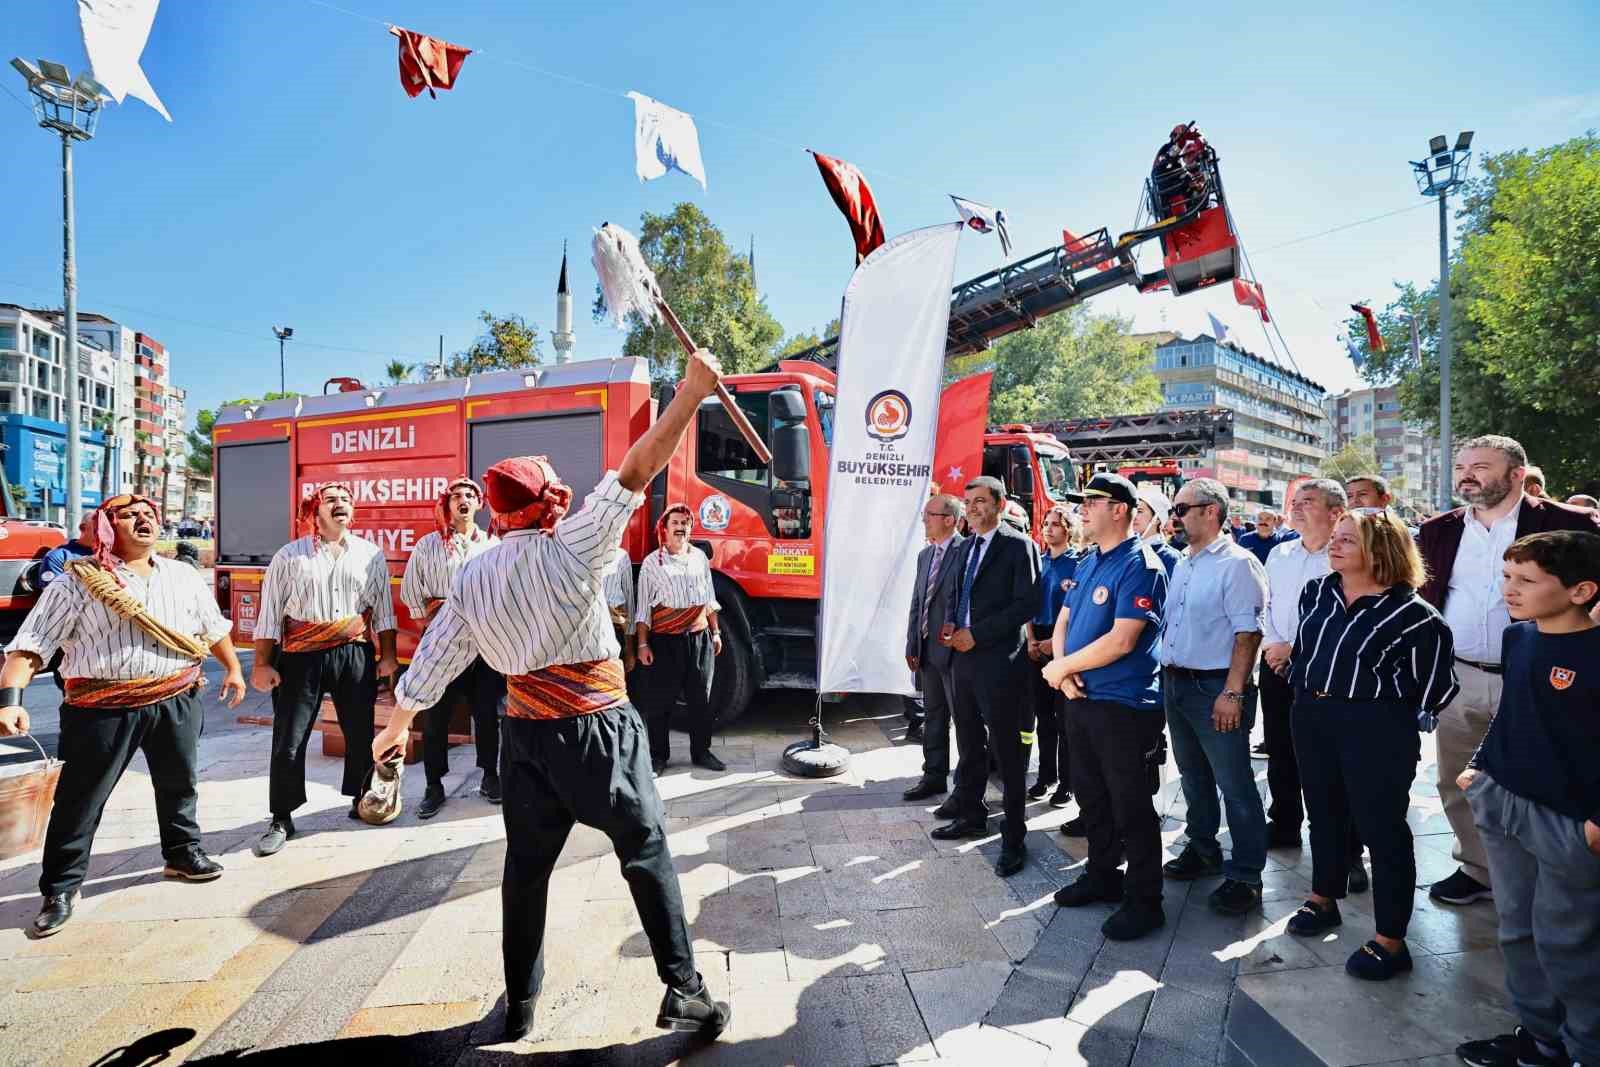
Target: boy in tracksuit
[{"x": 1534, "y": 787}]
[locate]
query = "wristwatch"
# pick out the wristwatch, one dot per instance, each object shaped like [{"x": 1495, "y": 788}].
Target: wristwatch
[{"x": 1233, "y": 695}]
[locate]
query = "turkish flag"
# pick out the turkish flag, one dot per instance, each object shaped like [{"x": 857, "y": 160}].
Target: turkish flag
[
  {"x": 1249, "y": 294},
  {"x": 1073, "y": 243},
  {"x": 1374, "y": 338},
  {"x": 850, "y": 191},
  {"x": 427, "y": 62},
  {"x": 958, "y": 446}
]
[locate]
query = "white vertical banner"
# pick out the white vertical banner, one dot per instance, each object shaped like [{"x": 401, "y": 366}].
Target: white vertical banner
[{"x": 891, "y": 364}]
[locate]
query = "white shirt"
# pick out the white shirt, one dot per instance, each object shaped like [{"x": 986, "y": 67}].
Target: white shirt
[
  {"x": 315, "y": 581},
  {"x": 618, "y": 584},
  {"x": 97, "y": 643},
  {"x": 533, "y": 600},
  {"x": 1474, "y": 609},
  {"x": 1217, "y": 592},
  {"x": 1290, "y": 565},
  {"x": 980, "y": 546},
  {"x": 674, "y": 581},
  {"x": 432, "y": 568}
]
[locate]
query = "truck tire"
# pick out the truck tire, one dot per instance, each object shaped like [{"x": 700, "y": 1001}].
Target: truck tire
[{"x": 733, "y": 685}]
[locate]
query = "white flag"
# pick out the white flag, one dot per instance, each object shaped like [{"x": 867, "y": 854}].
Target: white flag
[
  {"x": 114, "y": 33},
  {"x": 891, "y": 363},
  {"x": 984, "y": 219},
  {"x": 664, "y": 139},
  {"x": 1219, "y": 331}
]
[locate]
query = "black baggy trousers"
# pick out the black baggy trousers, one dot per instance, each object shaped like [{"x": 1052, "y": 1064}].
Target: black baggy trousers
[
  {"x": 349, "y": 675},
  {"x": 96, "y": 746},
  {"x": 482, "y": 687},
  {"x": 591, "y": 769},
  {"x": 1108, "y": 742},
  {"x": 682, "y": 666}
]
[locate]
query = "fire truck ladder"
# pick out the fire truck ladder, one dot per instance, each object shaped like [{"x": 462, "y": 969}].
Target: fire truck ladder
[{"x": 1118, "y": 440}]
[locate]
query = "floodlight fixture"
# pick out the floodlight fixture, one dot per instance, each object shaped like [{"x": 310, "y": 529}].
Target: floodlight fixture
[
  {"x": 28, "y": 71},
  {"x": 70, "y": 108},
  {"x": 1463, "y": 140},
  {"x": 1436, "y": 144},
  {"x": 55, "y": 72}
]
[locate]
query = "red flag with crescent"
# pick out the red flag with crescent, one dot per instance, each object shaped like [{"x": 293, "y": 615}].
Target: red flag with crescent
[
  {"x": 1250, "y": 295},
  {"x": 851, "y": 192},
  {"x": 427, "y": 62},
  {"x": 958, "y": 448},
  {"x": 1374, "y": 338}
]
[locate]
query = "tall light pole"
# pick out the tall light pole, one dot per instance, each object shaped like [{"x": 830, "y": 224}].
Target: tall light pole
[
  {"x": 1443, "y": 170},
  {"x": 71, "y": 107},
  {"x": 282, "y": 333}
]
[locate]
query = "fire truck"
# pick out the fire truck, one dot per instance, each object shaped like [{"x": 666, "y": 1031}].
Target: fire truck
[{"x": 22, "y": 546}]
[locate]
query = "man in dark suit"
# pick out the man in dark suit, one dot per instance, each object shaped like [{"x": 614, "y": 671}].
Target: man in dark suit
[
  {"x": 927, "y": 656},
  {"x": 1463, "y": 550},
  {"x": 996, "y": 594}
]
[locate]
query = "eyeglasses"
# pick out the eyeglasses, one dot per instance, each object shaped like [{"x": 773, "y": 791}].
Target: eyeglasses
[
  {"x": 1369, "y": 511},
  {"x": 1180, "y": 510},
  {"x": 937, "y": 515}
]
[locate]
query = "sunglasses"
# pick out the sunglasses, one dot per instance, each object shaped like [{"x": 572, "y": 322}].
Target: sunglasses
[{"x": 1180, "y": 510}]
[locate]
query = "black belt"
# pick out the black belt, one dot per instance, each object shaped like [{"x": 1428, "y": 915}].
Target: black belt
[
  {"x": 1487, "y": 668},
  {"x": 1189, "y": 672}
]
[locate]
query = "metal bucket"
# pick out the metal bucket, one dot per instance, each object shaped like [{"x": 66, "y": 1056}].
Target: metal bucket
[{"x": 25, "y": 802}]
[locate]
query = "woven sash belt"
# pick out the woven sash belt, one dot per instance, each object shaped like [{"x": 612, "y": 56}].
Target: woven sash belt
[
  {"x": 302, "y": 636},
  {"x": 129, "y": 692},
  {"x": 566, "y": 690},
  {"x": 677, "y": 620}
]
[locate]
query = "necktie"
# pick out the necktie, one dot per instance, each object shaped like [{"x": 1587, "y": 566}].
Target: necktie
[
  {"x": 933, "y": 583},
  {"x": 965, "y": 602}
]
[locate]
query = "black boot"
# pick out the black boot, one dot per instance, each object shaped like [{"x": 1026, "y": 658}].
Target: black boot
[
  {"x": 53, "y": 916},
  {"x": 691, "y": 1009},
  {"x": 432, "y": 801},
  {"x": 519, "y": 1018}
]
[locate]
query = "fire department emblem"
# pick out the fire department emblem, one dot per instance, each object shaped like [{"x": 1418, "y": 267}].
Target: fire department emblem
[
  {"x": 1562, "y": 677},
  {"x": 1101, "y": 594},
  {"x": 715, "y": 513},
  {"x": 888, "y": 415}
]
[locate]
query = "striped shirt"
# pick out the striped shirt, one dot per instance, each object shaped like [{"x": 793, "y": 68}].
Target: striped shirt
[
  {"x": 531, "y": 601},
  {"x": 1390, "y": 646},
  {"x": 675, "y": 581},
  {"x": 618, "y": 584},
  {"x": 432, "y": 569},
  {"x": 315, "y": 581},
  {"x": 96, "y": 643}
]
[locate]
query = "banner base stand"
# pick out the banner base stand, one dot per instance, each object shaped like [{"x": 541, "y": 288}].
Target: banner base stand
[{"x": 817, "y": 757}]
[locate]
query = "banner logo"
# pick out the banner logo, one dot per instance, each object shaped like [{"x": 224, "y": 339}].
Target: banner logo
[
  {"x": 1562, "y": 678},
  {"x": 888, "y": 416},
  {"x": 715, "y": 513}
]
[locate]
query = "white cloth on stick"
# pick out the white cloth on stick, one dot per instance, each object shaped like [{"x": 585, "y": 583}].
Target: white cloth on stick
[
  {"x": 1218, "y": 330},
  {"x": 114, "y": 35},
  {"x": 984, "y": 219},
  {"x": 664, "y": 139}
]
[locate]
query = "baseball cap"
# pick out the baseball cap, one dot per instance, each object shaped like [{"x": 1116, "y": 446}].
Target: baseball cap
[{"x": 1111, "y": 486}]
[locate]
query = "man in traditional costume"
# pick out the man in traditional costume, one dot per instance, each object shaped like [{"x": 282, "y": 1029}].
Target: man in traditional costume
[
  {"x": 321, "y": 595},
  {"x": 574, "y": 748},
  {"x": 133, "y": 628}
]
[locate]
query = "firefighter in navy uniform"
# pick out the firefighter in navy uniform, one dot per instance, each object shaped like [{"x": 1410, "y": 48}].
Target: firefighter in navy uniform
[{"x": 573, "y": 748}]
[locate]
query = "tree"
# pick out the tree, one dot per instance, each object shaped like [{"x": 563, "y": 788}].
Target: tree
[
  {"x": 106, "y": 423},
  {"x": 711, "y": 290},
  {"x": 398, "y": 371},
  {"x": 19, "y": 498},
  {"x": 199, "y": 456},
  {"x": 507, "y": 342},
  {"x": 802, "y": 341},
  {"x": 1358, "y": 456},
  {"x": 1071, "y": 365}
]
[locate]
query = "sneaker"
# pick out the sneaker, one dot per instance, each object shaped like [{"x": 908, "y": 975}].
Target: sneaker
[
  {"x": 1089, "y": 889},
  {"x": 489, "y": 788},
  {"x": 1312, "y": 919},
  {"x": 1516, "y": 1049},
  {"x": 1134, "y": 919},
  {"x": 1459, "y": 888},
  {"x": 1359, "y": 882},
  {"x": 1234, "y": 897},
  {"x": 1374, "y": 963},
  {"x": 1038, "y": 789},
  {"x": 1060, "y": 798},
  {"x": 273, "y": 840},
  {"x": 691, "y": 1009},
  {"x": 1073, "y": 828},
  {"x": 1191, "y": 864},
  {"x": 192, "y": 865}
]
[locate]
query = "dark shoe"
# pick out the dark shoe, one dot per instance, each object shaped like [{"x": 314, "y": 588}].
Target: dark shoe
[
  {"x": 1190, "y": 865},
  {"x": 1282, "y": 835},
  {"x": 1375, "y": 963},
  {"x": 923, "y": 790},
  {"x": 273, "y": 840},
  {"x": 192, "y": 865},
  {"x": 432, "y": 801},
  {"x": 959, "y": 830},
  {"x": 489, "y": 788},
  {"x": 1038, "y": 789},
  {"x": 1359, "y": 882},
  {"x": 1011, "y": 861},
  {"x": 1090, "y": 890},
  {"x": 355, "y": 809},
  {"x": 1311, "y": 919},
  {"x": 948, "y": 810},
  {"x": 519, "y": 1018},
  {"x": 914, "y": 732},
  {"x": 657, "y": 766},
  {"x": 1134, "y": 919},
  {"x": 1060, "y": 798},
  {"x": 1073, "y": 827},
  {"x": 1515, "y": 1049},
  {"x": 53, "y": 916},
  {"x": 693, "y": 1010},
  {"x": 1234, "y": 897},
  {"x": 709, "y": 761},
  {"x": 1459, "y": 888}
]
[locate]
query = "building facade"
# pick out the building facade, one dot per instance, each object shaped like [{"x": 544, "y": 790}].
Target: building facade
[
  {"x": 1279, "y": 422},
  {"x": 1407, "y": 454}
]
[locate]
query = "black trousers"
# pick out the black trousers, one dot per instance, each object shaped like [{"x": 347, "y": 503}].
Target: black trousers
[
  {"x": 96, "y": 746},
  {"x": 593, "y": 769},
  {"x": 1358, "y": 759},
  {"x": 1283, "y": 766},
  {"x": 992, "y": 714},
  {"x": 1054, "y": 758},
  {"x": 1108, "y": 743},
  {"x": 936, "y": 711},
  {"x": 348, "y": 674},
  {"x": 683, "y": 667},
  {"x": 483, "y": 688}
]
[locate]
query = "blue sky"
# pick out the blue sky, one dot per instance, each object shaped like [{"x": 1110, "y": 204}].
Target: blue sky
[{"x": 299, "y": 185}]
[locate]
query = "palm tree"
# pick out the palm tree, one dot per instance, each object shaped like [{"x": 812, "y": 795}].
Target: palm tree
[{"x": 398, "y": 372}]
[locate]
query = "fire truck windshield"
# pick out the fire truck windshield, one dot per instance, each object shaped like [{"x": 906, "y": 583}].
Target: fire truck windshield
[{"x": 1059, "y": 477}]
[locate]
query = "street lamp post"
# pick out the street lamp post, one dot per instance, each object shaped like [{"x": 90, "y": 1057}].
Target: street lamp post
[
  {"x": 282, "y": 333},
  {"x": 70, "y": 107},
  {"x": 1443, "y": 170}
]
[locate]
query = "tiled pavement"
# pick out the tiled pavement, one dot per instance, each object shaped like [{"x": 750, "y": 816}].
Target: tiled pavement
[{"x": 841, "y": 933}]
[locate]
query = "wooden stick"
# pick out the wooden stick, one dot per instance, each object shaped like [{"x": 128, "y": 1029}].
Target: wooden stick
[{"x": 731, "y": 406}]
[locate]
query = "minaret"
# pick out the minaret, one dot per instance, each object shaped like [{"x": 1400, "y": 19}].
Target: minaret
[{"x": 562, "y": 338}]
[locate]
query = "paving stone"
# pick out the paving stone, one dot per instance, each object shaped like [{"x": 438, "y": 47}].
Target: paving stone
[
  {"x": 1114, "y": 1000},
  {"x": 837, "y": 944},
  {"x": 1029, "y": 996},
  {"x": 923, "y": 939},
  {"x": 251, "y": 1023},
  {"x": 36, "y": 1025},
  {"x": 892, "y": 1030},
  {"x": 1181, "y": 1029},
  {"x": 322, "y": 1014}
]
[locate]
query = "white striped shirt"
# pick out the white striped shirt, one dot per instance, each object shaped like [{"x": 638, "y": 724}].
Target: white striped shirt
[
  {"x": 531, "y": 601},
  {"x": 99, "y": 644},
  {"x": 675, "y": 581},
  {"x": 432, "y": 568},
  {"x": 313, "y": 581},
  {"x": 618, "y": 583}
]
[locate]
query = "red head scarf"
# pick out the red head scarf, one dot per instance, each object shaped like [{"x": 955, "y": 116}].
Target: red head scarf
[
  {"x": 105, "y": 534},
  {"x": 309, "y": 506},
  {"x": 525, "y": 493},
  {"x": 442, "y": 509},
  {"x": 661, "y": 523}
]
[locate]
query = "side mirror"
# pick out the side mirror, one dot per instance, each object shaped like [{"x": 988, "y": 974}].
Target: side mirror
[
  {"x": 786, "y": 405},
  {"x": 1022, "y": 481},
  {"x": 791, "y": 452}
]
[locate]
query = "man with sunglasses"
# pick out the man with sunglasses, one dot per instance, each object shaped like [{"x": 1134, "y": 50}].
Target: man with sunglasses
[{"x": 127, "y": 690}]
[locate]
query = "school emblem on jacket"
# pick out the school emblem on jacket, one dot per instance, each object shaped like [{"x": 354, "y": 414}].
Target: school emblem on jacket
[
  {"x": 889, "y": 415},
  {"x": 1562, "y": 677},
  {"x": 1101, "y": 594}
]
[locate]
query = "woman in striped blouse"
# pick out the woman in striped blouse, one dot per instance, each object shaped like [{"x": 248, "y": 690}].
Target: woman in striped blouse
[{"x": 1371, "y": 666}]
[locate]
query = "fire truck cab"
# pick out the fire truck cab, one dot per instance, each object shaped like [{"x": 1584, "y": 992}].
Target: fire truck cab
[{"x": 1035, "y": 468}]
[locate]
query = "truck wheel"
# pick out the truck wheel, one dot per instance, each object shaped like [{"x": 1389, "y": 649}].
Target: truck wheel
[{"x": 733, "y": 685}]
